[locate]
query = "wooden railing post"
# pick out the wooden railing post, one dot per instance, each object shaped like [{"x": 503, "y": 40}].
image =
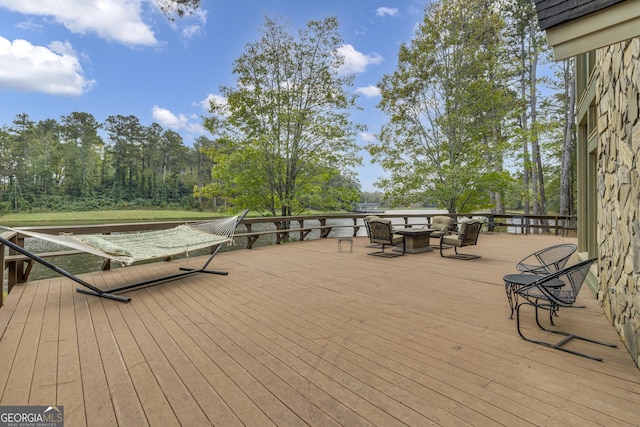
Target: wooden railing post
[{"x": 2, "y": 296}]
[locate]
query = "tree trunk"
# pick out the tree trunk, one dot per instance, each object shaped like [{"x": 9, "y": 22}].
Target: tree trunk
[
  {"x": 568, "y": 142},
  {"x": 524, "y": 126},
  {"x": 537, "y": 176}
]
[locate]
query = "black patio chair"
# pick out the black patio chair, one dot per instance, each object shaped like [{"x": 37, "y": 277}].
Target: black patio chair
[
  {"x": 559, "y": 289},
  {"x": 547, "y": 260},
  {"x": 542, "y": 262}
]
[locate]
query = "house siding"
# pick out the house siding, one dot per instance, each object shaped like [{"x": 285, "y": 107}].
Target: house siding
[{"x": 618, "y": 188}]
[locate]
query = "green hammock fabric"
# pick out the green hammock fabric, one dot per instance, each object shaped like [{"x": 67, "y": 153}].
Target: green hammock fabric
[
  {"x": 128, "y": 248},
  {"x": 152, "y": 244}
]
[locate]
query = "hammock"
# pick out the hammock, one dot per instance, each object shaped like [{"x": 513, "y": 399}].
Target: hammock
[{"x": 133, "y": 247}]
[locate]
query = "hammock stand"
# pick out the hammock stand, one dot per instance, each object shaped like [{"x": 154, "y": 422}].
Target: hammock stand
[{"x": 113, "y": 292}]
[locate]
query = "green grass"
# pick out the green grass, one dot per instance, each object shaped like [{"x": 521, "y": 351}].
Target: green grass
[{"x": 104, "y": 216}]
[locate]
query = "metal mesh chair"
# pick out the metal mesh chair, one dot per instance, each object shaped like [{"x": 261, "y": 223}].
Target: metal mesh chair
[
  {"x": 547, "y": 260},
  {"x": 559, "y": 289}
]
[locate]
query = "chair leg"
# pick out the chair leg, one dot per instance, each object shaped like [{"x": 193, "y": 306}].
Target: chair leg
[
  {"x": 458, "y": 255},
  {"x": 512, "y": 297},
  {"x": 567, "y": 336},
  {"x": 382, "y": 253}
]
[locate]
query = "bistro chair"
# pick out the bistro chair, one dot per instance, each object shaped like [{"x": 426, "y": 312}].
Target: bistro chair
[{"x": 558, "y": 289}]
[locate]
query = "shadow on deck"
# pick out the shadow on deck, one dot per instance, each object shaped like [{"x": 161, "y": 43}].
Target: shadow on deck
[{"x": 301, "y": 334}]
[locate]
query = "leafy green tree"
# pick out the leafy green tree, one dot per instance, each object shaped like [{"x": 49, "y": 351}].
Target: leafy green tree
[
  {"x": 446, "y": 102},
  {"x": 340, "y": 192},
  {"x": 201, "y": 164},
  {"x": 286, "y": 123},
  {"x": 126, "y": 136},
  {"x": 47, "y": 157},
  {"x": 84, "y": 148},
  {"x": 152, "y": 157},
  {"x": 173, "y": 164},
  {"x": 19, "y": 165},
  {"x": 528, "y": 49}
]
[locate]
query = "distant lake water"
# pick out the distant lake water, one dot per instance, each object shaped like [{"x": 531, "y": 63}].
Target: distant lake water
[{"x": 79, "y": 264}]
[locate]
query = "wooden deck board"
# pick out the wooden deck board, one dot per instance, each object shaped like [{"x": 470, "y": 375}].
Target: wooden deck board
[{"x": 301, "y": 334}]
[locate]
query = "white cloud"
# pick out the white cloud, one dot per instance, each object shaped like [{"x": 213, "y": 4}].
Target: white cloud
[
  {"x": 354, "y": 61},
  {"x": 217, "y": 100},
  {"x": 370, "y": 91},
  {"x": 367, "y": 137},
  {"x": 53, "y": 70},
  {"x": 117, "y": 20},
  {"x": 212, "y": 98},
  {"x": 167, "y": 119},
  {"x": 384, "y": 11},
  {"x": 191, "y": 30}
]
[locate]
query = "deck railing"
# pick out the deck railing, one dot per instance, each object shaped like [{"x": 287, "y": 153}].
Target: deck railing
[{"x": 17, "y": 266}]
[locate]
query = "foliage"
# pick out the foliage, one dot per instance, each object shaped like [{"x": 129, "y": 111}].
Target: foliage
[
  {"x": 178, "y": 7},
  {"x": 445, "y": 104},
  {"x": 67, "y": 165},
  {"x": 284, "y": 131},
  {"x": 533, "y": 135}
]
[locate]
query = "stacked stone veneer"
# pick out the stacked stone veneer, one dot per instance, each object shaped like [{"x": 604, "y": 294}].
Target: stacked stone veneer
[{"x": 618, "y": 186}]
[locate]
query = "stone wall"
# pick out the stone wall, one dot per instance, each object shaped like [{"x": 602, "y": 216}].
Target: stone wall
[{"x": 618, "y": 186}]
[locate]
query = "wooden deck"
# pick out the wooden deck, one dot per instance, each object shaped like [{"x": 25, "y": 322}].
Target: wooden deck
[{"x": 301, "y": 334}]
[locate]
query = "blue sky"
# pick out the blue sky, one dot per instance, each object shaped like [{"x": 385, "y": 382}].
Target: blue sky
[{"x": 109, "y": 57}]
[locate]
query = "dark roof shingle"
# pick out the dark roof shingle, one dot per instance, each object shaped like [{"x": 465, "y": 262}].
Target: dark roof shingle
[{"x": 555, "y": 12}]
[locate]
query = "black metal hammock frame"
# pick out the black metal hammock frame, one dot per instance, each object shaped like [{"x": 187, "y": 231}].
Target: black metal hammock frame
[{"x": 113, "y": 293}]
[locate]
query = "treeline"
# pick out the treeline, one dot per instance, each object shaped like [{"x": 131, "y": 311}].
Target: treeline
[
  {"x": 77, "y": 163},
  {"x": 478, "y": 115}
]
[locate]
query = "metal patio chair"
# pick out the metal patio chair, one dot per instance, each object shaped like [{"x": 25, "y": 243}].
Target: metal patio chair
[
  {"x": 440, "y": 224},
  {"x": 381, "y": 232},
  {"x": 558, "y": 289},
  {"x": 467, "y": 236},
  {"x": 366, "y": 220},
  {"x": 547, "y": 260},
  {"x": 542, "y": 262}
]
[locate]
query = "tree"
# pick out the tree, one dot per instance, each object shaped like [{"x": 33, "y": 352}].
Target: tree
[
  {"x": 178, "y": 7},
  {"x": 173, "y": 164},
  {"x": 126, "y": 136},
  {"x": 84, "y": 148},
  {"x": 286, "y": 123},
  {"x": 528, "y": 47},
  {"x": 20, "y": 171},
  {"x": 201, "y": 165},
  {"x": 445, "y": 102},
  {"x": 568, "y": 139},
  {"x": 47, "y": 158}
]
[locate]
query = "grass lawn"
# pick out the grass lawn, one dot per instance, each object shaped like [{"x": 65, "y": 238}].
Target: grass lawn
[{"x": 103, "y": 216}]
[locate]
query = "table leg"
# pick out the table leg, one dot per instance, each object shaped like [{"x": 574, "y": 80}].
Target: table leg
[{"x": 511, "y": 296}]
